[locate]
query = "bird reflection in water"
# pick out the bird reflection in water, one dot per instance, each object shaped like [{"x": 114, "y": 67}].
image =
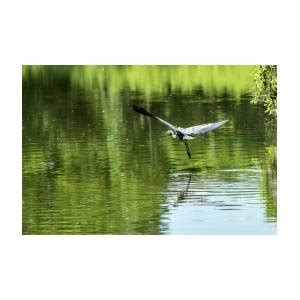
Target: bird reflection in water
[{"x": 181, "y": 195}]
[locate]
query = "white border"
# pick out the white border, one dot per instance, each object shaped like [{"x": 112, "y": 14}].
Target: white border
[{"x": 151, "y": 32}]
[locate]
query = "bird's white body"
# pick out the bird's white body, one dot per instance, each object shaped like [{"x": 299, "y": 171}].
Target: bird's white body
[{"x": 175, "y": 136}]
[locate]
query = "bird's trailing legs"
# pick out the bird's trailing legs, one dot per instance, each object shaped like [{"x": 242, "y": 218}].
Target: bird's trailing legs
[{"x": 187, "y": 149}]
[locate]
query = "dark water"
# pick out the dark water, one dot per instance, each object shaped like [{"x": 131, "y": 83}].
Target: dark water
[{"x": 93, "y": 166}]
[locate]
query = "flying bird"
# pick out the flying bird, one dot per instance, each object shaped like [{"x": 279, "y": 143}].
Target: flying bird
[{"x": 183, "y": 134}]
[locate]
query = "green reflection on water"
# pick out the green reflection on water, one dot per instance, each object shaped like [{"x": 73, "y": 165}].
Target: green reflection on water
[{"x": 90, "y": 165}]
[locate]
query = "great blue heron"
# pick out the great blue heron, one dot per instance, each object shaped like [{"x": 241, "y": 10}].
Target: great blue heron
[{"x": 184, "y": 134}]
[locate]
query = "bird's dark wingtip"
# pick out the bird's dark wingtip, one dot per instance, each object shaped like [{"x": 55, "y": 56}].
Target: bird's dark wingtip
[{"x": 141, "y": 110}]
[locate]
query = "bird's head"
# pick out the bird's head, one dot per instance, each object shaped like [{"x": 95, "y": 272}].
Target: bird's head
[{"x": 171, "y": 133}]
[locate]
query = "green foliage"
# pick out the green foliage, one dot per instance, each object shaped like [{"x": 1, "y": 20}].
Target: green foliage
[
  {"x": 150, "y": 80},
  {"x": 266, "y": 94},
  {"x": 266, "y": 88}
]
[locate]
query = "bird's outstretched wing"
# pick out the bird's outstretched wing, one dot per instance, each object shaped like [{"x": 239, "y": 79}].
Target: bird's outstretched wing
[
  {"x": 201, "y": 129},
  {"x": 144, "y": 112}
]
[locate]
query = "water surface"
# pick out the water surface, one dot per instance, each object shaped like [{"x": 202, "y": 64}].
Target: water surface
[{"x": 93, "y": 166}]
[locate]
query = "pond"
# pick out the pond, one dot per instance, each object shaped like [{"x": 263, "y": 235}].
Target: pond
[{"x": 91, "y": 165}]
